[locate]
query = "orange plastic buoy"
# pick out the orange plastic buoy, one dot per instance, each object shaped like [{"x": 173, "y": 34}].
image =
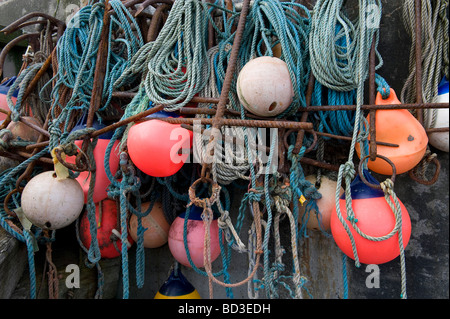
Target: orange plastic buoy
[
  {"x": 374, "y": 218},
  {"x": 397, "y": 127},
  {"x": 195, "y": 234},
  {"x": 264, "y": 86},
  {"x": 159, "y": 148},
  {"x": 101, "y": 179},
  {"x": 106, "y": 216},
  {"x": 157, "y": 227},
  {"x": 4, "y": 88},
  {"x": 24, "y": 132},
  {"x": 325, "y": 204}
]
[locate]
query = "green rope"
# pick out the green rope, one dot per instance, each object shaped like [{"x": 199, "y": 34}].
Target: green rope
[{"x": 171, "y": 65}]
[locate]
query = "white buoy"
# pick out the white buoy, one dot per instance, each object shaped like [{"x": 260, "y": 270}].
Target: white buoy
[
  {"x": 325, "y": 204},
  {"x": 264, "y": 86},
  {"x": 440, "y": 139},
  {"x": 52, "y": 203}
]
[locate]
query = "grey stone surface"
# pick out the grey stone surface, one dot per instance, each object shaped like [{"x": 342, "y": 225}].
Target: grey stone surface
[{"x": 13, "y": 260}]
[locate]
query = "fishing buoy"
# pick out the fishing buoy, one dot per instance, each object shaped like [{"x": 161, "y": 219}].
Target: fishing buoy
[
  {"x": 325, "y": 204},
  {"x": 157, "y": 227},
  {"x": 23, "y": 131},
  {"x": 159, "y": 148},
  {"x": 52, "y": 203},
  {"x": 374, "y": 218},
  {"x": 4, "y": 88},
  {"x": 101, "y": 179},
  {"x": 397, "y": 127},
  {"x": 264, "y": 86},
  {"x": 440, "y": 139},
  {"x": 195, "y": 235},
  {"x": 177, "y": 287},
  {"x": 7, "y": 163},
  {"x": 107, "y": 222}
]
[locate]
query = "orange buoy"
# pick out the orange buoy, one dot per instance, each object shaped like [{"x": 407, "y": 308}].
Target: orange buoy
[
  {"x": 157, "y": 227},
  {"x": 159, "y": 148},
  {"x": 195, "y": 233},
  {"x": 264, "y": 86},
  {"x": 23, "y": 131},
  {"x": 326, "y": 204},
  {"x": 107, "y": 219},
  {"x": 397, "y": 127},
  {"x": 101, "y": 179},
  {"x": 374, "y": 218},
  {"x": 52, "y": 203}
]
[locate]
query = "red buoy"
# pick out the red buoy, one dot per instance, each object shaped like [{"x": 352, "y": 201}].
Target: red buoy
[
  {"x": 101, "y": 179},
  {"x": 374, "y": 218},
  {"x": 108, "y": 226},
  {"x": 159, "y": 148}
]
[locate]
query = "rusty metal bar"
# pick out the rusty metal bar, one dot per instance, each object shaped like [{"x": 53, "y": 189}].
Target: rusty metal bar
[
  {"x": 316, "y": 108},
  {"x": 13, "y": 43},
  {"x": 372, "y": 113},
  {"x": 301, "y": 134},
  {"x": 348, "y": 138},
  {"x": 379, "y": 107},
  {"x": 35, "y": 127},
  {"x": 100, "y": 68},
  {"x": 238, "y": 122},
  {"x": 38, "y": 76},
  {"x": 195, "y": 99},
  {"x": 17, "y": 24},
  {"x": 221, "y": 106}
]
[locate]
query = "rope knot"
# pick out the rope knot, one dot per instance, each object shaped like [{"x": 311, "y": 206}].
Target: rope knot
[
  {"x": 255, "y": 194},
  {"x": 5, "y": 138},
  {"x": 349, "y": 170},
  {"x": 387, "y": 186}
]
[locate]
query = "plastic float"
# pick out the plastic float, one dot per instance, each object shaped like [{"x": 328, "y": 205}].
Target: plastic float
[
  {"x": 397, "y": 126},
  {"x": 264, "y": 86}
]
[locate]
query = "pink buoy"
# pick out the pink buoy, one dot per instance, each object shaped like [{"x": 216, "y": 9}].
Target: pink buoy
[
  {"x": 4, "y": 88},
  {"x": 101, "y": 179},
  {"x": 158, "y": 148},
  {"x": 195, "y": 235}
]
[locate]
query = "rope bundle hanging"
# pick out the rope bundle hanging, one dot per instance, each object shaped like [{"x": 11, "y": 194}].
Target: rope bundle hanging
[
  {"x": 434, "y": 54},
  {"x": 171, "y": 66},
  {"x": 77, "y": 55},
  {"x": 335, "y": 46}
]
